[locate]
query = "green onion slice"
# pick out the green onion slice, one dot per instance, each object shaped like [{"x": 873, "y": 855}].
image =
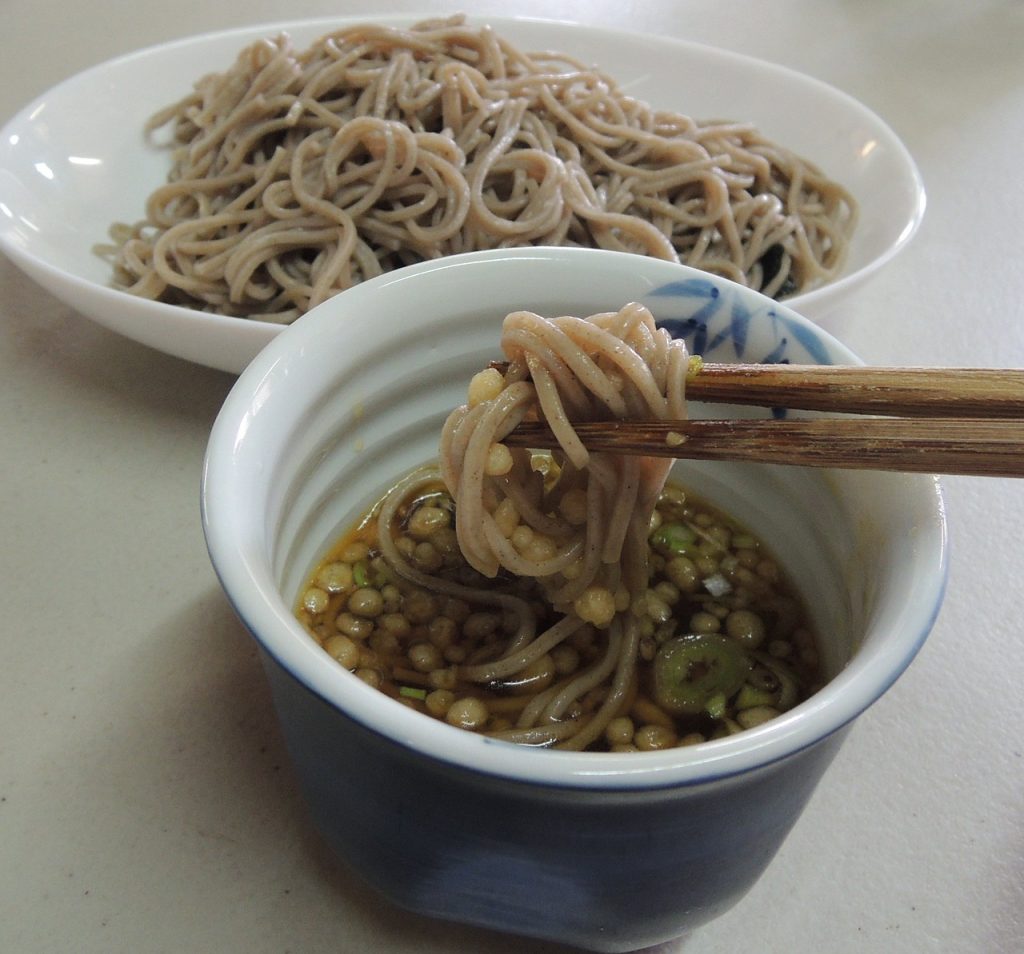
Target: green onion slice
[
  {"x": 691, "y": 671},
  {"x": 673, "y": 538}
]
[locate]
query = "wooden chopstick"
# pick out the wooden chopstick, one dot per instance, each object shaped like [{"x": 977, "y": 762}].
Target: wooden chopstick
[
  {"x": 905, "y": 392},
  {"x": 928, "y": 420},
  {"x": 987, "y": 448}
]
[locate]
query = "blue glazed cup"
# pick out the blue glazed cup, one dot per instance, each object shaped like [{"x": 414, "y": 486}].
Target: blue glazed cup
[{"x": 606, "y": 851}]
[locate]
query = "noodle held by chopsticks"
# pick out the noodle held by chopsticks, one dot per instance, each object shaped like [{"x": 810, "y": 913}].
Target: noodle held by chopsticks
[
  {"x": 298, "y": 173},
  {"x": 586, "y": 515}
]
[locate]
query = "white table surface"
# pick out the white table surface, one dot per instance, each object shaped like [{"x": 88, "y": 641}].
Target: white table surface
[{"x": 146, "y": 802}]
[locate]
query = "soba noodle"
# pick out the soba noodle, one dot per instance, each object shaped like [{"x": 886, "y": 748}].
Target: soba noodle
[
  {"x": 588, "y": 514},
  {"x": 299, "y": 173}
]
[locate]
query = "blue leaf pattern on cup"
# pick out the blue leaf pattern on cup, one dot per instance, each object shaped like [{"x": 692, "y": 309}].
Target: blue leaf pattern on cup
[
  {"x": 808, "y": 339},
  {"x": 709, "y": 318},
  {"x": 688, "y": 288},
  {"x": 778, "y": 356},
  {"x": 739, "y": 326}
]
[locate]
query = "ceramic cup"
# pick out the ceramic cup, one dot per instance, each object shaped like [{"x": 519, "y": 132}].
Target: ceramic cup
[{"x": 606, "y": 851}]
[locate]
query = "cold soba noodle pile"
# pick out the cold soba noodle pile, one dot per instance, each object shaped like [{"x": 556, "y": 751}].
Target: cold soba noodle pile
[
  {"x": 570, "y": 598},
  {"x": 298, "y": 173}
]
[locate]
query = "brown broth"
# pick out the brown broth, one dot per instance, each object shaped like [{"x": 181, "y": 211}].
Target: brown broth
[{"x": 709, "y": 575}]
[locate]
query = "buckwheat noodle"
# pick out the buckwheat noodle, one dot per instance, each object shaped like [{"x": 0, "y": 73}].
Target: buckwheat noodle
[
  {"x": 587, "y": 514},
  {"x": 298, "y": 173}
]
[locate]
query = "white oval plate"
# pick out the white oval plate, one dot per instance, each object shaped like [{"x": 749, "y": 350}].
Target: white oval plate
[{"x": 75, "y": 160}]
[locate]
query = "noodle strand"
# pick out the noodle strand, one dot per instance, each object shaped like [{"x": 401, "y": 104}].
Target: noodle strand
[{"x": 298, "y": 173}]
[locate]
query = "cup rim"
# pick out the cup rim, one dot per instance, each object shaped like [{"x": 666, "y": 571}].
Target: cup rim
[{"x": 244, "y": 574}]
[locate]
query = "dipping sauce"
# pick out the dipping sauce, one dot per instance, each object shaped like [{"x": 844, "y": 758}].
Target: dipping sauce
[{"x": 725, "y": 640}]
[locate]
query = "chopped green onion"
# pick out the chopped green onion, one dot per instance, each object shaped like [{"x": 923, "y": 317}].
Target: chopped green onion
[
  {"x": 748, "y": 697},
  {"x": 412, "y": 692},
  {"x": 715, "y": 706},
  {"x": 788, "y": 683},
  {"x": 717, "y": 585},
  {"x": 673, "y": 538},
  {"x": 360, "y": 574},
  {"x": 690, "y": 671}
]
